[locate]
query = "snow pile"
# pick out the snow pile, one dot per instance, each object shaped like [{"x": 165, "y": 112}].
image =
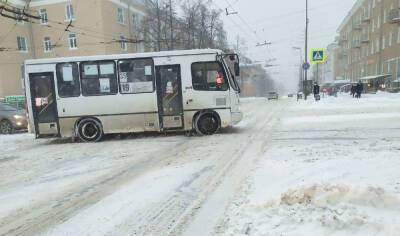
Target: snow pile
[
  {"x": 321, "y": 210},
  {"x": 331, "y": 169}
]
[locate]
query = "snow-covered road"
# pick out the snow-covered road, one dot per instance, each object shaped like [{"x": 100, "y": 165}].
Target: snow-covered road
[
  {"x": 288, "y": 168},
  {"x": 147, "y": 185}
]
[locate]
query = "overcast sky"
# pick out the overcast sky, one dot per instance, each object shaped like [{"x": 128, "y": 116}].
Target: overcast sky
[{"x": 282, "y": 22}]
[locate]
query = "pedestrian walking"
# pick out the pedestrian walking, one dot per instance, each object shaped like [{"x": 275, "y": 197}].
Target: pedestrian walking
[
  {"x": 359, "y": 89},
  {"x": 316, "y": 90},
  {"x": 353, "y": 90}
]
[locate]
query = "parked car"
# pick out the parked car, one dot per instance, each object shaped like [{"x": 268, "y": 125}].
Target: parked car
[
  {"x": 290, "y": 95},
  {"x": 12, "y": 119},
  {"x": 273, "y": 96}
]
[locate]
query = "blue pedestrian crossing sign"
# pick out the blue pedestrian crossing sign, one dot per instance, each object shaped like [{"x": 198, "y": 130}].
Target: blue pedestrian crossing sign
[{"x": 318, "y": 56}]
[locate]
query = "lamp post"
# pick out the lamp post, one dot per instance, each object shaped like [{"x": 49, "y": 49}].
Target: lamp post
[{"x": 306, "y": 54}]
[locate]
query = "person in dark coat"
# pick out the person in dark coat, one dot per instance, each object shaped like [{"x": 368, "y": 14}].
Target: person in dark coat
[
  {"x": 316, "y": 90},
  {"x": 359, "y": 89},
  {"x": 353, "y": 90}
]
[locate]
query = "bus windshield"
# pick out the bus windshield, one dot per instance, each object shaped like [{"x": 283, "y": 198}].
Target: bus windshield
[{"x": 230, "y": 68}]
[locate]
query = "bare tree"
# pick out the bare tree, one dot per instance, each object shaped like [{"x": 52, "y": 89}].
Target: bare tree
[{"x": 197, "y": 27}]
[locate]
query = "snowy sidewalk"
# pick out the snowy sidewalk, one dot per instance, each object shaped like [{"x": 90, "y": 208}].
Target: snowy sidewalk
[{"x": 332, "y": 169}]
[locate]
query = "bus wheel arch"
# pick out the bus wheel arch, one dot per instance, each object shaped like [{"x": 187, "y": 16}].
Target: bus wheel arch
[
  {"x": 206, "y": 122},
  {"x": 89, "y": 129}
]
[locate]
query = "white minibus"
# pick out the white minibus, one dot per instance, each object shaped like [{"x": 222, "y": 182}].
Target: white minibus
[{"x": 88, "y": 97}]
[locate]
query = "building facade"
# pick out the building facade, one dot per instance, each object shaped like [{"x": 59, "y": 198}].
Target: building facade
[
  {"x": 64, "y": 28},
  {"x": 369, "y": 42},
  {"x": 324, "y": 73}
]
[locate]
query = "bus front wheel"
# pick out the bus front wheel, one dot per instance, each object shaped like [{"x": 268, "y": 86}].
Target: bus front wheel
[
  {"x": 207, "y": 123},
  {"x": 90, "y": 130}
]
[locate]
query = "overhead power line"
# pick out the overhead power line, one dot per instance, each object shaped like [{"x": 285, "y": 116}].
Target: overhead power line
[{"x": 30, "y": 19}]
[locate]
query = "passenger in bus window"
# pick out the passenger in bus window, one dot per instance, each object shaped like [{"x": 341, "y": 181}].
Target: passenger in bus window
[{"x": 219, "y": 81}]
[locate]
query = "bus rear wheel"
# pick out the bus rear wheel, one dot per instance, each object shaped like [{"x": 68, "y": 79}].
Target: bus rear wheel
[
  {"x": 207, "y": 124},
  {"x": 89, "y": 130}
]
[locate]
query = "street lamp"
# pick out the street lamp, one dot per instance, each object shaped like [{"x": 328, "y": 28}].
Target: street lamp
[{"x": 306, "y": 53}]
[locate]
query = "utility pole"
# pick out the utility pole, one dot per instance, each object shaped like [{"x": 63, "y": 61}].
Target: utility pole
[
  {"x": 30, "y": 30},
  {"x": 306, "y": 54},
  {"x": 158, "y": 27},
  {"x": 171, "y": 24},
  {"x": 382, "y": 21}
]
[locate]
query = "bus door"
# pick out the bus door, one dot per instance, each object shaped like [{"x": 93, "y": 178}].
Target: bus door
[
  {"x": 44, "y": 106},
  {"x": 169, "y": 94}
]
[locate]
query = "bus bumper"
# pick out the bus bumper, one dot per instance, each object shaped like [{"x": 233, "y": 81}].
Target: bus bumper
[{"x": 236, "y": 117}]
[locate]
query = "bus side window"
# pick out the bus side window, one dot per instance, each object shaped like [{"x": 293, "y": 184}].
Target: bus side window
[
  {"x": 209, "y": 76},
  {"x": 136, "y": 76},
  {"x": 68, "y": 80},
  {"x": 98, "y": 78}
]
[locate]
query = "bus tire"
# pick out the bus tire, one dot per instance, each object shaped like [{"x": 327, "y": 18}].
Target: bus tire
[
  {"x": 89, "y": 130},
  {"x": 207, "y": 123}
]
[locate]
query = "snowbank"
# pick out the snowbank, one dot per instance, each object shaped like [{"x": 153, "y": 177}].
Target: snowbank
[{"x": 331, "y": 169}]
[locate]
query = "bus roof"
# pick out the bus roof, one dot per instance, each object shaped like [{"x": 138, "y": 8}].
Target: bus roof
[{"x": 122, "y": 56}]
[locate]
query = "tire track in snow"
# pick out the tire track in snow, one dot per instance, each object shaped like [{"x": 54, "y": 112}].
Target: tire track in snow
[
  {"x": 37, "y": 218},
  {"x": 170, "y": 217},
  {"x": 205, "y": 215}
]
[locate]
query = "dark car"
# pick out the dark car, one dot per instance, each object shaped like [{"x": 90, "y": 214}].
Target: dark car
[
  {"x": 12, "y": 119},
  {"x": 273, "y": 96}
]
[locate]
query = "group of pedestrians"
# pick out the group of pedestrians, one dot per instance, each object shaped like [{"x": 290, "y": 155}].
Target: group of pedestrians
[{"x": 356, "y": 90}]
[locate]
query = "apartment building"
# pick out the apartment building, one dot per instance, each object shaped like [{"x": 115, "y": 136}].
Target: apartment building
[
  {"x": 369, "y": 43},
  {"x": 324, "y": 73},
  {"x": 64, "y": 28}
]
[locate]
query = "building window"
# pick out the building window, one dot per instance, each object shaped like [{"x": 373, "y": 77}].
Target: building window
[
  {"x": 378, "y": 24},
  {"x": 385, "y": 16},
  {"x": 68, "y": 80},
  {"x": 120, "y": 15},
  {"x": 373, "y": 25},
  {"x": 19, "y": 16},
  {"x": 383, "y": 42},
  {"x": 136, "y": 76},
  {"x": 398, "y": 69},
  {"x": 43, "y": 16},
  {"x": 69, "y": 12},
  {"x": 72, "y": 41},
  {"x": 134, "y": 21},
  {"x": 123, "y": 43},
  {"x": 398, "y": 35},
  {"x": 22, "y": 46},
  {"x": 47, "y": 44},
  {"x": 98, "y": 78},
  {"x": 209, "y": 76}
]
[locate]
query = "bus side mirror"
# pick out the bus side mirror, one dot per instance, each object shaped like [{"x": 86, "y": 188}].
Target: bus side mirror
[{"x": 237, "y": 69}]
